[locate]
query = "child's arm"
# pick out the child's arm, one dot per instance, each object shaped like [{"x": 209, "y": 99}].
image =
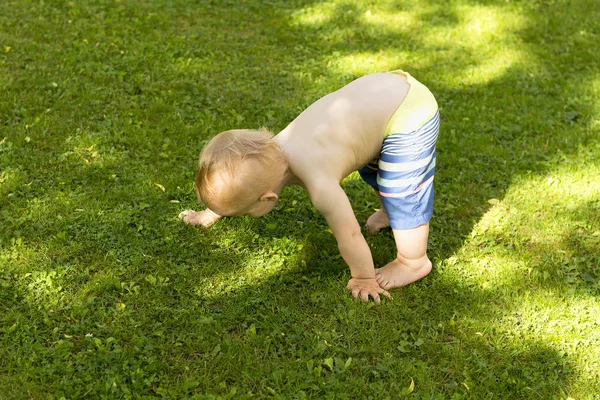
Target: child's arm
[
  {"x": 205, "y": 217},
  {"x": 333, "y": 203}
]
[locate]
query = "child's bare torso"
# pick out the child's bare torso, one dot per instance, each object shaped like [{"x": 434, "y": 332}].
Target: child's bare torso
[{"x": 344, "y": 130}]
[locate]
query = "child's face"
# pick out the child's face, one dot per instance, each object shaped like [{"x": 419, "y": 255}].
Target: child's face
[
  {"x": 246, "y": 200},
  {"x": 258, "y": 202}
]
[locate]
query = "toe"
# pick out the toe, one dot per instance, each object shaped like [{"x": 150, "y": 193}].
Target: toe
[{"x": 385, "y": 284}]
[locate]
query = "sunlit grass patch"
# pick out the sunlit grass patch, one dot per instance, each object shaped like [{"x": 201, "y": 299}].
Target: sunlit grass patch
[
  {"x": 481, "y": 40},
  {"x": 535, "y": 250},
  {"x": 315, "y": 15},
  {"x": 594, "y": 100},
  {"x": 565, "y": 321},
  {"x": 551, "y": 222},
  {"x": 274, "y": 257},
  {"x": 11, "y": 179},
  {"x": 484, "y": 41},
  {"x": 366, "y": 63},
  {"x": 400, "y": 21},
  {"x": 37, "y": 280}
]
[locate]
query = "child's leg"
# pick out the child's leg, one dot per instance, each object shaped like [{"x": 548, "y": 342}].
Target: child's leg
[
  {"x": 412, "y": 262},
  {"x": 405, "y": 182},
  {"x": 379, "y": 219}
]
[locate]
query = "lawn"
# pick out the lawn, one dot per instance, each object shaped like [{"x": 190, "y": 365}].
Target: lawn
[{"x": 104, "y": 293}]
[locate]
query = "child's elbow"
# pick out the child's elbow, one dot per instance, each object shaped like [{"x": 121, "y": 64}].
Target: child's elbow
[
  {"x": 352, "y": 235},
  {"x": 355, "y": 233}
]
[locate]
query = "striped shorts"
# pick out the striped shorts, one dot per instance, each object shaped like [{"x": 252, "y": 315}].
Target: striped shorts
[{"x": 403, "y": 175}]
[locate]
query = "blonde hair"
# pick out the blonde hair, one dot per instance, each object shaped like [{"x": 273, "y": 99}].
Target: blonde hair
[{"x": 228, "y": 156}]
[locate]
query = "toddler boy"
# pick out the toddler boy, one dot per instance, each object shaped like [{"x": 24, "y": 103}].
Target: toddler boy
[{"x": 385, "y": 125}]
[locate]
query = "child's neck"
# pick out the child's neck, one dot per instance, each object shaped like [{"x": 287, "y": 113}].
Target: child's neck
[{"x": 288, "y": 178}]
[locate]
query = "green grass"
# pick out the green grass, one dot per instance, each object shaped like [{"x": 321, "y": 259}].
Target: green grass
[{"x": 104, "y": 106}]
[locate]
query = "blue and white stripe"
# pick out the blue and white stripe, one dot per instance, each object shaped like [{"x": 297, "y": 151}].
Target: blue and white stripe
[
  {"x": 414, "y": 143},
  {"x": 407, "y": 163}
]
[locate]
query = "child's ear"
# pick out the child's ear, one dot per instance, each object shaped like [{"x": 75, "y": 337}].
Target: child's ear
[{"x": 269, "y": 196}]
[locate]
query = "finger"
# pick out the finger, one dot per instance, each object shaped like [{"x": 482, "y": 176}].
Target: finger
[
  {"x": 183, "y": 214},
  {"x": 386, "y": 294},
  {"x": 206, "y": 222},
  {"x": 364, "y": 295},
  {"x": 376, "y": 299},
  {"x": 355, "y": 292},
  {"x": 190, "y": 219}
]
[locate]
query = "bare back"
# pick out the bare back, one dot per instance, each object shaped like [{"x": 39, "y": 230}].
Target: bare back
[{"x": 344, "y": 130}]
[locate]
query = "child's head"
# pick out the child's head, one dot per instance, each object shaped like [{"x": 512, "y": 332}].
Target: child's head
[{"x": 239, "y": 172}]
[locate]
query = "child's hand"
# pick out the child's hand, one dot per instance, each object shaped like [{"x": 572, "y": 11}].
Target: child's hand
[
  {"x": 365, "y": 288},
  {"x": 205, "y": 217}
]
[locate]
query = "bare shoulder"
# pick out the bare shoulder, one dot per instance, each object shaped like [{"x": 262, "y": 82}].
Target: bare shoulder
[
  {"x": 313, "y": 160},
  {"x": 323, "y": 192}
]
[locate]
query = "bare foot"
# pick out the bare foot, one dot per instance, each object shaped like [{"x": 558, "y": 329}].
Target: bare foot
[
  {"x": 205, "y": 217},
  {"x": 397, "y": 274},
  {"x": 377, "y": 221}
]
